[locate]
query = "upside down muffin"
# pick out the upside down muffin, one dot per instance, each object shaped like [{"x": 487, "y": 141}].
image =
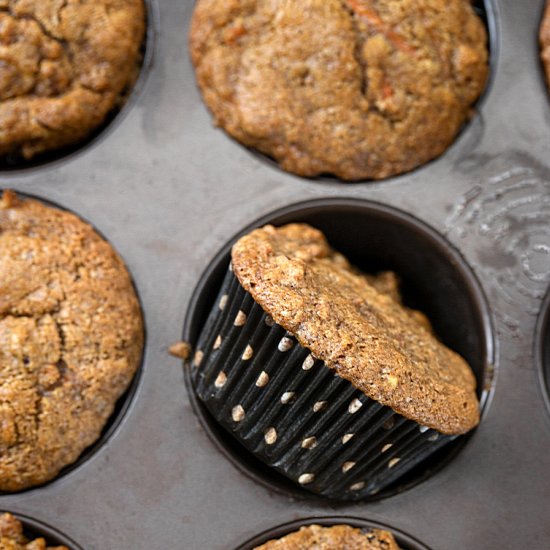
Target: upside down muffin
[
  {"x": 64, "y": 66},
  {"x": 71, "y": 337},
  {"x": 362, "y": 89}
]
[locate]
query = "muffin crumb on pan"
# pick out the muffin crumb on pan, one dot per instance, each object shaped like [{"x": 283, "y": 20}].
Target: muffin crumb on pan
[
  {"x": 12, "y": 536},
  {"x": 337, "y": 537},
  {"x": 65, "y": 67},
  {"x": 361, "y": 89},
  {"x": 71, "y": 338},
  {"x": 181, "y": 350}
]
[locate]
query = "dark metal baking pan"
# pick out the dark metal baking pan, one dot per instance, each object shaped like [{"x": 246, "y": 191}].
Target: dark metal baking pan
[{"x": 169, "y": 191}]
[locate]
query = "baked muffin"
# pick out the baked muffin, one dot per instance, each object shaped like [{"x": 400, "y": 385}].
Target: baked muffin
[
  {"x": 65, "y": 67},
  {"x": 71, "y": 338},
  {"x": 544, "y": 39},
  {"x": 362, "y": 89},
  {"x": 321, "y": 371},
  {"x": 13, "y": 538},
  {"x": 337, "y": 537}
]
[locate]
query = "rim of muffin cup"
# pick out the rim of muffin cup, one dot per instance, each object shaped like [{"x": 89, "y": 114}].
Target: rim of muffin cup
[
  {"x": 33, "y": 528},
  {"x": 126, "y": 401},
  {"x": 542, "y": 349},
  {"x": 54, "y": 157},
  {"x": 404, "y": 540},
  {"x": 488, "y": 11},
  {"x": 336, "y": 218}
]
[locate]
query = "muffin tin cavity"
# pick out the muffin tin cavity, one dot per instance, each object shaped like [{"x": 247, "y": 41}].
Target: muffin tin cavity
[
  {"x": 435, "y": 280},
  {"x": 405, "y": 541},
  {"x": 33, "y": 529},
  {"x": 542, "y": 349},
  {"x": 13, "y": 163},
  {"x": 124, "y": 402}
]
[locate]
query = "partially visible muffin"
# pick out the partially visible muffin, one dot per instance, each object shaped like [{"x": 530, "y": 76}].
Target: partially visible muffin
[
  {"x": 362, "y": 89},
  {"x": 544, "y": 39},
  {"x": 13, "y": 538},
  {"x": 65, "y": 66},
  {"x": 71, "y": 338},
  {"x": 337, "y": 537}
]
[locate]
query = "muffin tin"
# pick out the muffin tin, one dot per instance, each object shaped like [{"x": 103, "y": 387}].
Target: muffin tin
[{"x": 169, "y": 191}]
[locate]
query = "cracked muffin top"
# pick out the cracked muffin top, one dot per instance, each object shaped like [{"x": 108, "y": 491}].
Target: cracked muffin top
[
  {"x": 357, "y": 326},
  {"x": 362, "y": 89},
  {"x": 338, "y": 537},
  {"x": 71, "y": 338},
  {"x": 544, "y": 39},
  {"x": 13, "y": 538},
  {"x": 64, "y": 66}
]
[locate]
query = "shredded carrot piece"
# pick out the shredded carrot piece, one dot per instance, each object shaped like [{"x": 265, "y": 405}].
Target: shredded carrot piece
[
  {"x": 232, "y": 35},
  {"x": 374, "y": 20},
  {"x": 387, "y": 90}
]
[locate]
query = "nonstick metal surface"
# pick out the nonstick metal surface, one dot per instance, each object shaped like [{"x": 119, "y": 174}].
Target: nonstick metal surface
[{"x": 169, "y": 191}]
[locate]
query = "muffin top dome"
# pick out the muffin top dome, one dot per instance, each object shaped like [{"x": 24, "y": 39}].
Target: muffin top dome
[
  {"x": 370, "y": 339},
  {"x": 362, "y": 89},
  {"x": 71, "y": 337}
]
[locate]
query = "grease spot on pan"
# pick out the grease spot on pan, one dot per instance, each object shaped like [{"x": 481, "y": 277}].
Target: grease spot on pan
[{"x": 507, "y": 218}]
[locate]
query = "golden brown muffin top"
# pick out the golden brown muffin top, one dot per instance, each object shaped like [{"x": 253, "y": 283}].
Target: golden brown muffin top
[
  {"x": 71, "y": 337},
  {"x": 365, "y": 335},
  {"x": 544, "y": 39},
  {"x": 13, "y": 538},
  {"x": 64, "y": 66},
  {"x": 357, "y": 88},
  {"x": 338, "y": 537}
]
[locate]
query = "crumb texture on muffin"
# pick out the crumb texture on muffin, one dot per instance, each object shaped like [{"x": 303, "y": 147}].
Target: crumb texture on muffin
[
  {"x": 64, "y": 66},
  {"x": 362, "y": 89},
  {"x": 338, "y": 537},
  {"x": 12, "y": 536},
  {"x": 544, "y": 38},
  {"x": 366, "y": 335},
  {"x": 71, "y": 337}
]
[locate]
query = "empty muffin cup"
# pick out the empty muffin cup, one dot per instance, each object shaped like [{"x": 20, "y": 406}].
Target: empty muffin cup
[{"x": 300, "y": 417}]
